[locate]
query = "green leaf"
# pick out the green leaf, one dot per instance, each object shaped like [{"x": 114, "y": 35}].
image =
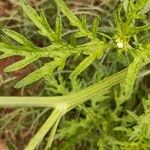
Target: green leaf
[
  {"x": 141, "y": 58},
  {"x": 58, "y": 27},
  {"x": 95, "y": 26},
  {"x": 146, "y": 8},
  {"x": 126, "y": 5},
  {"x": 6, "y": 55},
  {"x": 127, "y": 87},
  {"x": 40, "y": 21},
  {"x": 17, "y": 37},
  {"x": 69, "y": 14},
  {"x": 84, "y": 22},
  {"x": 140, "y": 4},
  {"x": 141, "y": 28},
  {"x": 80, "y": 34},
  {"x": 38, "y": 74},
  {"x": 83, "y": 65},
  {"x": 21, "y": 64},
  {"x": 16, "y": 50}
]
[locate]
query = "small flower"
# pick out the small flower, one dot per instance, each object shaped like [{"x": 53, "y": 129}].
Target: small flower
[{"x": 120, "y": 45}]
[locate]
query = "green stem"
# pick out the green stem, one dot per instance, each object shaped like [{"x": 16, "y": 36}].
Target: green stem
[
  {"x": 52, "y": 134},
  {"x": 30, "y": 101},
  {"x": 71, "y": 100},
  {"x": 56, "y": 114},
  {"x": 87, "y": 93}
]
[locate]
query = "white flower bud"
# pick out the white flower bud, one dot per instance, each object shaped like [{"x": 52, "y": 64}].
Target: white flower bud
[{"x": 120, "y": 45}]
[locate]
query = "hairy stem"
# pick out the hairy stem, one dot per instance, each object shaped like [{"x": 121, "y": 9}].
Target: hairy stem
[
  {"x": 71, "y": 100},
  {"x": 52, "y": 119}
]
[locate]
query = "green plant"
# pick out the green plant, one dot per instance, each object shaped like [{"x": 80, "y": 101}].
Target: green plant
[{"x": 128, "y": 48}]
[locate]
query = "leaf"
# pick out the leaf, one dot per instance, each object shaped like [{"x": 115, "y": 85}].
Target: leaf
[
  {"x": 141, "y": 28},
  {"x": 80, "y": 34},
  {"x": 83, "y": 65},
  {"x": 21, "y": 64},
  {"x": 38, "y": 74},
  {"x": 40, "y": 21},
  {"x": 16, "y": 50},
  {"x": 6, "y": 55},
  {"x": 127, "y": 87},
  {"x": 146, "y": 8},
  {"x": 140, "y": 4},
  {"x": 95, "y": 26},
  {"x": 133, "y": 115},
  {"x": 69, "y": 14},
  {"x": 17, "y": 37},
  {"x": 141, "y": 58},
  {"x": 84, "y": 22},
  {"x": 126, "y": 5},
  {"x": 58, "y": 27}
]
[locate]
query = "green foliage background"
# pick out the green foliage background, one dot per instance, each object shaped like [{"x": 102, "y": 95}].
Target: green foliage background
[{"x": 81, "y": 109}]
